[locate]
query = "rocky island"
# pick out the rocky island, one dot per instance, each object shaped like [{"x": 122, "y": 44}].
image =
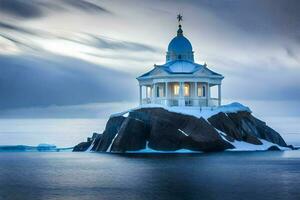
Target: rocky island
[{"x": 165, "y": 129}]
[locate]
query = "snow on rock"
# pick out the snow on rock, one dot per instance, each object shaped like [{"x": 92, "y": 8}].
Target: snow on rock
[
  {"x": 198, "y": 112},
  {"x": 245, "y": 146},
  {"x": 109, "y": 148},
  {"x": 91, "y": 146},
  {"x": 184, "y": 133}
]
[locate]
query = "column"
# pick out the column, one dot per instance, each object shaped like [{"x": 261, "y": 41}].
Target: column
[
  {"x": 141, "y": 100},
  {"x": 219, "y": 94},
  {"x": 146, "y": 91},
  {"x": 207, "y": 94},
  {"x": 195, "y": 101},
  {"x": 154, "y": 93},
  {"x": 181, "y": 94},
  {"x": 167, "y": 93}
]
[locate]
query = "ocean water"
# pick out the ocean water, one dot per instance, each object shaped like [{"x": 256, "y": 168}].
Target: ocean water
[
  {"x": 94, "y": 176},
  {"x": 61, "y": 132}
]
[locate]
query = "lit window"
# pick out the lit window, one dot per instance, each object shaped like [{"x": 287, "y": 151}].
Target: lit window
[
  {"x": 186, "y": 89},
  {"x": 201, "y": 91},
  {"x": 176, "y": 89}
]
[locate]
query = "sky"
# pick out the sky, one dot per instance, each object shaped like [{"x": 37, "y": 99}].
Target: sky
[{"x": 76, "y": 52}]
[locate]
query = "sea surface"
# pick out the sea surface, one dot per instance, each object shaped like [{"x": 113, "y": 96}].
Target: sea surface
[
  {"x": 100, "y": 176},
  {"x": 60, "y": 132}
]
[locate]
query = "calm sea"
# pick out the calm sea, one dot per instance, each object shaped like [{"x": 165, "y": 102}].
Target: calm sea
[
  {"x": 96, "y": 176},
  {"x": 61, "y": 132}
]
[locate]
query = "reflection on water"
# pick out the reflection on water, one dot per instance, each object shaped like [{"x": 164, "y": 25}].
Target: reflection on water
[{"x": 228, "y": 175}]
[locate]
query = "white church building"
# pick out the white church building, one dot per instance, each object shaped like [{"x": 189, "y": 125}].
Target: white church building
[{"x": 180, "y": 81}]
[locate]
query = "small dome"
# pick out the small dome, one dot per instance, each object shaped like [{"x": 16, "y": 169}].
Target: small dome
[
  {"x": 180, "y": 48},
  {"x": 180, "y": 44}
]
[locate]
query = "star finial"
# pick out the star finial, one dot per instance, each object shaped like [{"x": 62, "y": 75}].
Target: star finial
[{"x": 179, "y": 18}]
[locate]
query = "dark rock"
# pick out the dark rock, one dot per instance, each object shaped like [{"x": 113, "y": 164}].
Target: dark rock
[
  {"x": 112, "y": 127},
  {"x": 162, "y": 130},
  {"x": 131, "y": 136},
  {"x": 95, "y": 140},
  {"x": 252, "y": 139},
  {"x": 243, "y": 126},
  {"x": 83, "y": 146},
  {"x": 273, "y": 148},
  {"x": 223, "y": 123}
]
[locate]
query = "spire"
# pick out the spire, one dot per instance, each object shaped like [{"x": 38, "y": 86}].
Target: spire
[{"x": 179, "y": 18}]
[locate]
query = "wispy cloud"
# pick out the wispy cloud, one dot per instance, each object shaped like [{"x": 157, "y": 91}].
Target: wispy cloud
[
  {"x": 20, "y": 8},
  {"x": 38, "y": 8}
]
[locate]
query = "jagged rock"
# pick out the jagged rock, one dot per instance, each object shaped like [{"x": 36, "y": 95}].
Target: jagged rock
[
  {"x": 83, "y": 146},
  {"x": 273, "y": 148},
  {"x": 112, "y": 127},
  {"x": 243, "y": 126},
  {"x": 131, "y": 136},
  {"x": 159, "y": 129},
  {"x": 223, "y": 123}
]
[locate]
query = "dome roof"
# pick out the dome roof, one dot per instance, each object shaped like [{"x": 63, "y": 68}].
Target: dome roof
[
  {"x": 180, "y": 48},
  {"x": 180, "y": 44}
]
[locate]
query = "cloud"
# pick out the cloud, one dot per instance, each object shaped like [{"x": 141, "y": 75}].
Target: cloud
[
  {"x": 257, "y": 17},
  {"x": 19, "y": 29},
  {"x": 20, "y": 8},
  {"x": 38, "y": 8},
  {"x": 85, "y": 6},
  {"x": 109, "y": 43},
  {"x": 30, "y": 81}
]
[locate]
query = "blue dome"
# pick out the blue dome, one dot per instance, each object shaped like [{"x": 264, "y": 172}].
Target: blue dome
[
  {"x": 180, "y": 44},
  {"x": 180, "y": 48}
]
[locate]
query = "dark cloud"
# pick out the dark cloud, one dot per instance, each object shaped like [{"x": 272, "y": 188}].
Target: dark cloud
[
  {"x": 256, "y": 16},
  {"x": 37, "y": 8},
  {"x": 21, "y": 8},
  {"x": 34, "y": 81},
  {"x": 85, "y": 6}
]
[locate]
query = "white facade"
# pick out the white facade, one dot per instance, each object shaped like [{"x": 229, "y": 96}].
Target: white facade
[{"x": 180, "y": 81}]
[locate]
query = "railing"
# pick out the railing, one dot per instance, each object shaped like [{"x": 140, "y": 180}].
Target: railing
[
  {"x": 186, "y": 101},
  {"x": 213, "y": 102}
]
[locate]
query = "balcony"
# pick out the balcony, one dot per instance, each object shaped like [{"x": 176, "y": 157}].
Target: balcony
[{"x": 186, "y": 101}]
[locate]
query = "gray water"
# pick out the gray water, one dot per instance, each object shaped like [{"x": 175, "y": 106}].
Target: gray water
[{"x": 227, "y": 175}]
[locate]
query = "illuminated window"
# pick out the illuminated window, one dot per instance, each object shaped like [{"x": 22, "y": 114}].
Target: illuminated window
[
  {"x": 176, "y": 89},
  {"x": 186, "y": 89},
  {"x": 201, "y": 91}
]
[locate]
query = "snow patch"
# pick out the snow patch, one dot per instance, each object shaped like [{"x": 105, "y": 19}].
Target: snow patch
[
  {"x": 91, "y": 146},
  {"x": 109, "y": 148},
  {"x": 198, "y": 112},
  {"x": 245, "y": 146},
  {"x": 184, "y": 133}
]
